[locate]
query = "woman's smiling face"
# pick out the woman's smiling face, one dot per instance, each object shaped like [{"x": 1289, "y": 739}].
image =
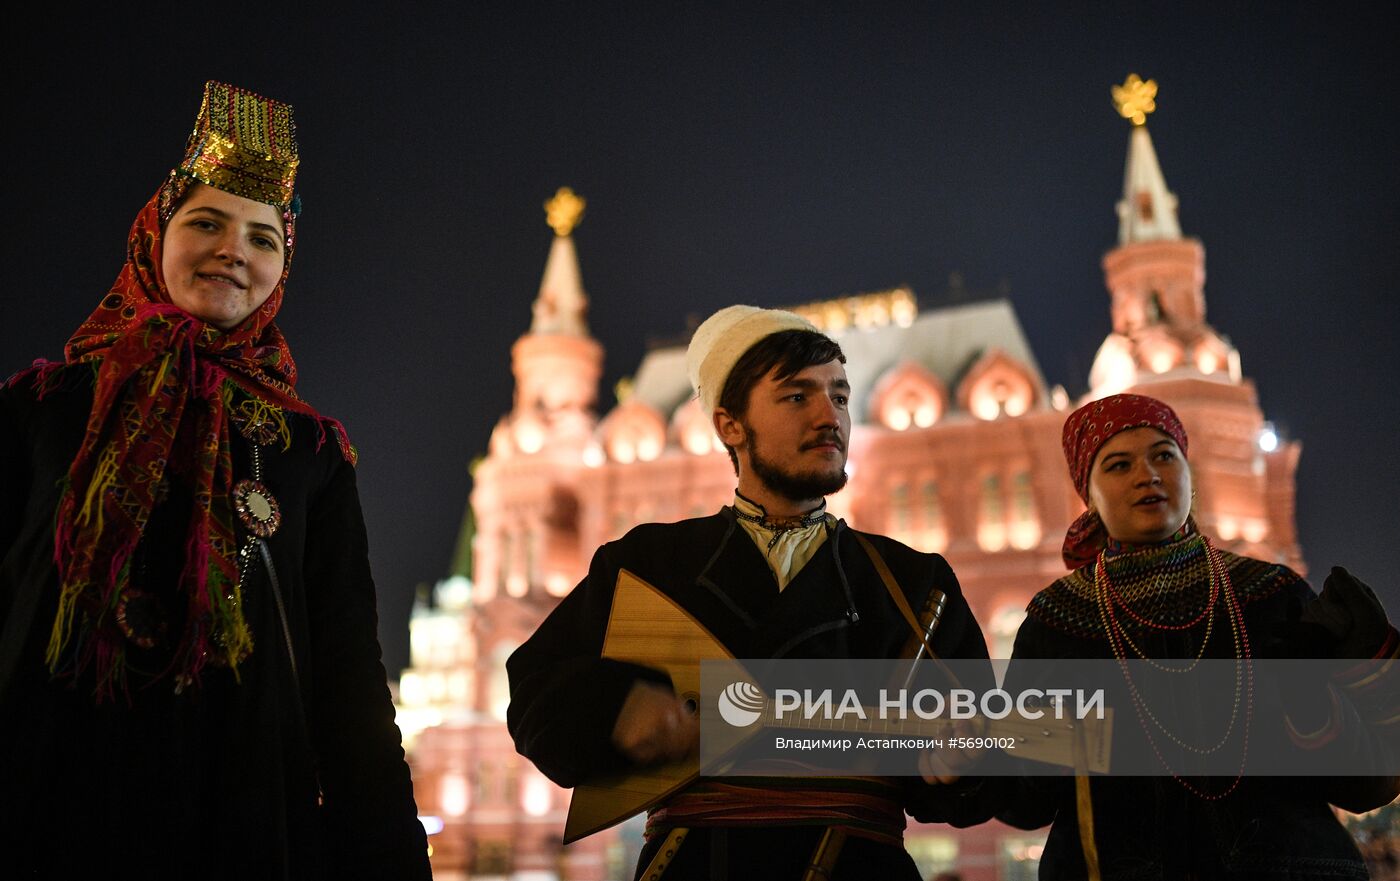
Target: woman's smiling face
[
  {"x": 1141, "y": 486},
  {"x": 222, "y": 255}
]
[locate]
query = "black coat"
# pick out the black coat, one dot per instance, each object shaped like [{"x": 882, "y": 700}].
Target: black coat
[
  {"x": 220, "y": 780},
  {"x": 565, "y": 698}
]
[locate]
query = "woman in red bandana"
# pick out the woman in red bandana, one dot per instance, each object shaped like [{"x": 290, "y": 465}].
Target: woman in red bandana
[
  {"x": 190, "y": 676},
  {"x": 1146, "y": 583}
]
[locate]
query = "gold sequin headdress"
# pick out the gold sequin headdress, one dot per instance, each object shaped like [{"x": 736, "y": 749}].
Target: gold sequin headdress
[{"x": 243, "y": 144}]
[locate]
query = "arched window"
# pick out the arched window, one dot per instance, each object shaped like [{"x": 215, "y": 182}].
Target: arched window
[
  {"x": 1158, "y": 349},
  {"x": 908, "y": 396},
  {"x": 454, "y": 797},
  {"x": 622, "y": 520},
  {"x": 991, "y": 516},
  {"x": 536, "y": 794},
  {"x": 997, "y": 385},
  {"x": 1025, "y": 522},
  {"x": 514, "y": 577},
  {"x": 633, "y": 432},
  {"x": 935, "y": 530},
  {"x": 498, "y": 690},
  {"x": 899, "y": 511},
  {"x": 692, "y": 428}
]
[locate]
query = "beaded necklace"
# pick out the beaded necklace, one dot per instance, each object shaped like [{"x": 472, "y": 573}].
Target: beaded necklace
[
  {"x": 779, "y": 525},
  {"x": 1108, "y": 599}
]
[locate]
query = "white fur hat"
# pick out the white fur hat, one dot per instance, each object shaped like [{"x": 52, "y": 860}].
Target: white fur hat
[{"x": 724, "y": 338}]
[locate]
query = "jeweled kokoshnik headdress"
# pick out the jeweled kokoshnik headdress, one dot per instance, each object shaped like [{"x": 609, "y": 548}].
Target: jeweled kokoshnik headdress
[{"x": 243, "y": 144}]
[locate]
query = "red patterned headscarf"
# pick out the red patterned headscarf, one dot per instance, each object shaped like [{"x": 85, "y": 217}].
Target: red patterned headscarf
[
  {"x": 1086, "y": 431},
  {"x": 167, "y": 388}
]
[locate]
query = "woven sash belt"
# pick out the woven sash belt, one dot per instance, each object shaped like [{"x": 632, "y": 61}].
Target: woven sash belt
[{"x": 865, "y": 806}]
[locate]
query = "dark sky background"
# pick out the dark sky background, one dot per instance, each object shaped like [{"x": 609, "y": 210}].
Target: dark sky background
[{"x": 732, "y": 153}]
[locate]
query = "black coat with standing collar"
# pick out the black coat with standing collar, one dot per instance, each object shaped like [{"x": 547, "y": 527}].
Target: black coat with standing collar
[{"x": 565, "y": 697}]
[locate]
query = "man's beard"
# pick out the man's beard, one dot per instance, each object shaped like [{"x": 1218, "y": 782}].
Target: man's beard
[{"x": 792, "y": 486}]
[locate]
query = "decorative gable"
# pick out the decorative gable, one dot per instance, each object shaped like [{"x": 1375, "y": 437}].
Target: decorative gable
[
  {"x": 908, "y": 396},
  {"x": 997, "y": 385}
]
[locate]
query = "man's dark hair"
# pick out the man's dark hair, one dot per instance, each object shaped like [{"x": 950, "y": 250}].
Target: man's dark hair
[{"x": 789, "y": 351}]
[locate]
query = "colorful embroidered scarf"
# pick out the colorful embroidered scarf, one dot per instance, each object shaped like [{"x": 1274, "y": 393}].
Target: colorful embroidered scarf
[
  {"x": 1086, "y": 431},
  {"x": 167, "y": 387}
]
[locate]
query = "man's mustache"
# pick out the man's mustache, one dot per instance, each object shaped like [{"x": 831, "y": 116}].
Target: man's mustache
[{"x": 826, "y": 437}]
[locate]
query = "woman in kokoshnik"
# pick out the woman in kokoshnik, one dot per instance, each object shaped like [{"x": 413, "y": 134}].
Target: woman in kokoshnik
[
  {"x": 1146, "y": 583},
  {"x": 190, "y": 675}
]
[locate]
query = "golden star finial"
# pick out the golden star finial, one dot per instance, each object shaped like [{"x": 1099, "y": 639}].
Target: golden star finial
[
  {"x": 564, "y": 211},
  {"x": 1135, "y": 98}
]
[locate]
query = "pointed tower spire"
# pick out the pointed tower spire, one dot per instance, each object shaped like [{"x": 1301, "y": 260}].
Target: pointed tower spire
[
  {"x": 1147, "y": 211},
  {"x": 1156, "y": 277},
  {"x": 557, "y": 364},
  {"x": 562, "y": 304}
]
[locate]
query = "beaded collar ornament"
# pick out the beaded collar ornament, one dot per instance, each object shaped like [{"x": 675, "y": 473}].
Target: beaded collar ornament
[{"x": 760, "y": 517}]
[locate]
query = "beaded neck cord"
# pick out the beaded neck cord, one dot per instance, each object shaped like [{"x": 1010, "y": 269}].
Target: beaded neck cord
[
  {"x": 1113, "y": 547},
  {"x": 749, "y": 511}
]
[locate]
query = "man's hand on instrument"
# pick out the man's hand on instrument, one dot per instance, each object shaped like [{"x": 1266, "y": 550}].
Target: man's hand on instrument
[
  {"x": 934, "y": 770},
  {"x": 945, "y": 766},
  {"x": 655, "y": 726}
]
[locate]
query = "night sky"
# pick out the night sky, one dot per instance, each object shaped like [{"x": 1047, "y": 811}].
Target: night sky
[{"x": 731, "y": 155}]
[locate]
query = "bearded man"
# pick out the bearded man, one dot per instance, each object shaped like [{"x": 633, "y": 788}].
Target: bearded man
[{"x": 770, "y": 576}]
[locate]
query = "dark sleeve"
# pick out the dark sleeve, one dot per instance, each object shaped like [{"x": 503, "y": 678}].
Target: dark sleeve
[
  {"x": 370, "y": 824},
  {"x": 1030, "y": 801},
  {"x": 1368, "y": 697},
  {"x": 564, "y": 696},
  {"x": 964, "y": 803},
  {"x": 18, "y": 596},
  {"x": 1020, "y": 800},
  {"x": 1350, "y": 714},
  {"x": 959, "y": 635},
  {"x": 14, "y": 481}
]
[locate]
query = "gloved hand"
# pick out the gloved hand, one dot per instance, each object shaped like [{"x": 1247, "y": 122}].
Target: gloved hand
[{"x": 1351, "y": 615}]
